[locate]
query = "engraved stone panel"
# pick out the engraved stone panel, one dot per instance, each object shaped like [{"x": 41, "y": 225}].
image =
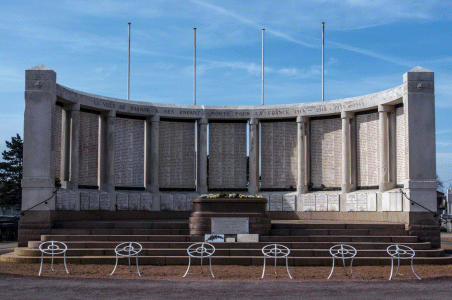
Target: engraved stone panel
[
  {"x": 279, "y": 160},
  {"x": 309, "y": 202},
  {"x": 65, "y": 200},
  {"x": 166, "y": 202},
  {"x": 56, "y": 139},
  {"x": 368, "y": 149},
  {"x": 177, "y": 154},
  {"x": 400, "y": 144},
  {"x": 129, "y": 152},
  {"x": 190, "y": 198},
  {"x": 333, "y": 202},
  {"x": 84, "y": 201},
  {"x": 94, "y": 203},
  {"x": 230, "y": 225},
  {"x": 289, "y": 202},
  {"x": 247, "y": 238},
  {"x": 352, "y": 202},
  {"x": 275, "y": 202},
  {"x": 321, "y": 202},
  {"x": 326, "y": 152},
  {"x": 88, "y": 148},
  {"x": 361, "y": 200},
  {"x": 122, "y": 201},
  {"x": 134, "y": 201},
  {"x": 180, "y": 202},
  {"x": 227, "y": 156},
  {"x": 146, "y": 201},
  {"x": 372, "y": 201},
  {"x": 104, "y": 201},
  {"x": 391, "y": 201}
]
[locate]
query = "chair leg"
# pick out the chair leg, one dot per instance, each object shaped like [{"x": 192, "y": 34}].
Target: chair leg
[
  {"x": 398, "y": 266},
  {"x": 138, "y": 270},
  {"x": 412, "y": 267},
  {"x": 287, "y": 266},
  {"x": 392, "y": 268},
  {"x": 65, "y": 266},
  {"x": 189, "y": 263},
  {"x": 42, "y": 259},
  {"x": 345, "y": 269},
  {"x": 263, "y": 271},
  {"x": 210, "y": 263},
  {"x": 332, "y": 269},
  {"x": 351, "y": 268},
  {"x": 115, "y": 265}
]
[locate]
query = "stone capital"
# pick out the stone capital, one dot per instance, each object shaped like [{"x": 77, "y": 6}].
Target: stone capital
[
  {"x": 202, "y": 121},
  {"x": 254, "y": 121},
  {"x": 347, "y": 115},
  {"x": 301, "y": 119},
  {"x": 385, "y": 108},
  {"x": 154, "y": 118}
]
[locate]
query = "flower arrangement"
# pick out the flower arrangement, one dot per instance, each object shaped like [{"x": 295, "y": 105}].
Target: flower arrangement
[{"x": 228, "y": 195}]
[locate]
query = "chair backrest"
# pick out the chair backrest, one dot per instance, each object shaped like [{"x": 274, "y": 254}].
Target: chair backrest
[
  {"x": 201, "y": 250},
  {"x": 53, "y": 247},
  {"x": 275, "y": 250},
  {"x": 128, "y": 249},
  {"x": 343, "y": 251},
  {"x": 400, "y": 251}
]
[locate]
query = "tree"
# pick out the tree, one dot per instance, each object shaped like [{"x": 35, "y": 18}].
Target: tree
[{"x": 11, "y": 172}]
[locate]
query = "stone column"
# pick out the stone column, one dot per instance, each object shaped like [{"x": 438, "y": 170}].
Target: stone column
[
  {"x": 253, "y": 187},
  {"x": 37, "y": 183},
  {"x": 147, "y": 155},
  {"x": 347, "y": 185},
  {"x": 201, "y": 174},
  {"x": 420, "y": 181},
  {"x": 301, "y": 155},
  {"x": 383, "y": 111},
  {"x": 65, "y": 146},
  {"x": 75, "y": 159},
  {"x": 154, "y": 149},
  {"x": 107, "y": 152}
]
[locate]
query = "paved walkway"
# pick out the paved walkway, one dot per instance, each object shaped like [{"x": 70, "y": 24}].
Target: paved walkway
[{"x": 16, "y": 287}]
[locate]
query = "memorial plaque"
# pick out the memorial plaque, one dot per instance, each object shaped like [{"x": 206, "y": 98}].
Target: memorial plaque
[
  {"x": 333, "y": 202},
  {"x": 230, "y": 240},
  {"x": 247, "y": 238},
  {"x": 401, "y": 144},
  {"x": 104, "y": 202},
  {"x": 392, "y": 201},
  {"x": 94, "y": 201},
  {"x": 122, "y": 201},
  {"x": 309, "y": 202},
  {"x": 230, "y": 225},
  {"x": 352, "y": 203},
  {"x": 88, "y": 148},
  {"x": 180, "y": 202},
  {"x": 166, "y": 202},
  {"x": 56, "y": 139},
  {"x": 65, "y": 200},
  {"x": 368, "y": 149},
  {"x": 134, "y": 201},
  {"x": 275, "y": 202},
  {"x": 321, "y": 202},
  {"x": 84, "y": 201},
  {"x": 214, "y": 238},
  {"x": 372, "y": 202},
  {"x": 361, "y": 199},
  {"x": 146, "y": 201},
  {"x": 385, "y": 201},
  {"x": 289, "y": 202}
]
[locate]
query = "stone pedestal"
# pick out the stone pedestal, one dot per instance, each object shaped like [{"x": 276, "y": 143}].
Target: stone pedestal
[{"x": 253, "y": 208}]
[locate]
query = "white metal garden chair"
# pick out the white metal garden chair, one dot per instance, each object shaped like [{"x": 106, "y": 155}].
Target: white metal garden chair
[
  {"x": 53, "y": 248},
  {"x": 342, "y": 251},
  {"x": 128, "y": 249},
  {"x": 200, "y": 250},
  {"x": 276, "y": 251},
  {"x": 400, "y": 252}
]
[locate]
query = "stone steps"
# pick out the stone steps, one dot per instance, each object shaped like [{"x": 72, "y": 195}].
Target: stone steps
[{"x": 165, "y": 242}]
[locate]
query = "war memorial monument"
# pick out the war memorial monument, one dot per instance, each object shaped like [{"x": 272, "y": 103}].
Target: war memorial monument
[{"x": 343, "y": 161}]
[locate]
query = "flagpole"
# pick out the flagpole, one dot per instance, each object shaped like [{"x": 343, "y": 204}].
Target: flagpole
[
  {"x": 128, "y": 70},
  {"x": 194, "y": 67},
  {"x": 323, "y": 61},
  {"x": 262, "y": 102}
]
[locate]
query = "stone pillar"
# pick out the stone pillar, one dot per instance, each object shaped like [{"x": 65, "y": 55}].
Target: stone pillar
[
  {"x": 65, "y": 146},
  {"x": 148, "y": 155},
  {"x": 75, "y": 130},
  {"x": 301, "y": 156},
  {"x": 420, "y": 182},
  {"x": 154, "y": 149},
  {"x": 385, "y": 167},
  {"x": 347, "y": 185},
  {"x": 253, "y": 187},
  {"x": 37, "y": 183},
  {"x": 201, "y": 174},
  {"x": 107, "y": 152}
]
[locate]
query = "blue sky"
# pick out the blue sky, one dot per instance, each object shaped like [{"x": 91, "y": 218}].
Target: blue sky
[{"x": 368, "y": 47}]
